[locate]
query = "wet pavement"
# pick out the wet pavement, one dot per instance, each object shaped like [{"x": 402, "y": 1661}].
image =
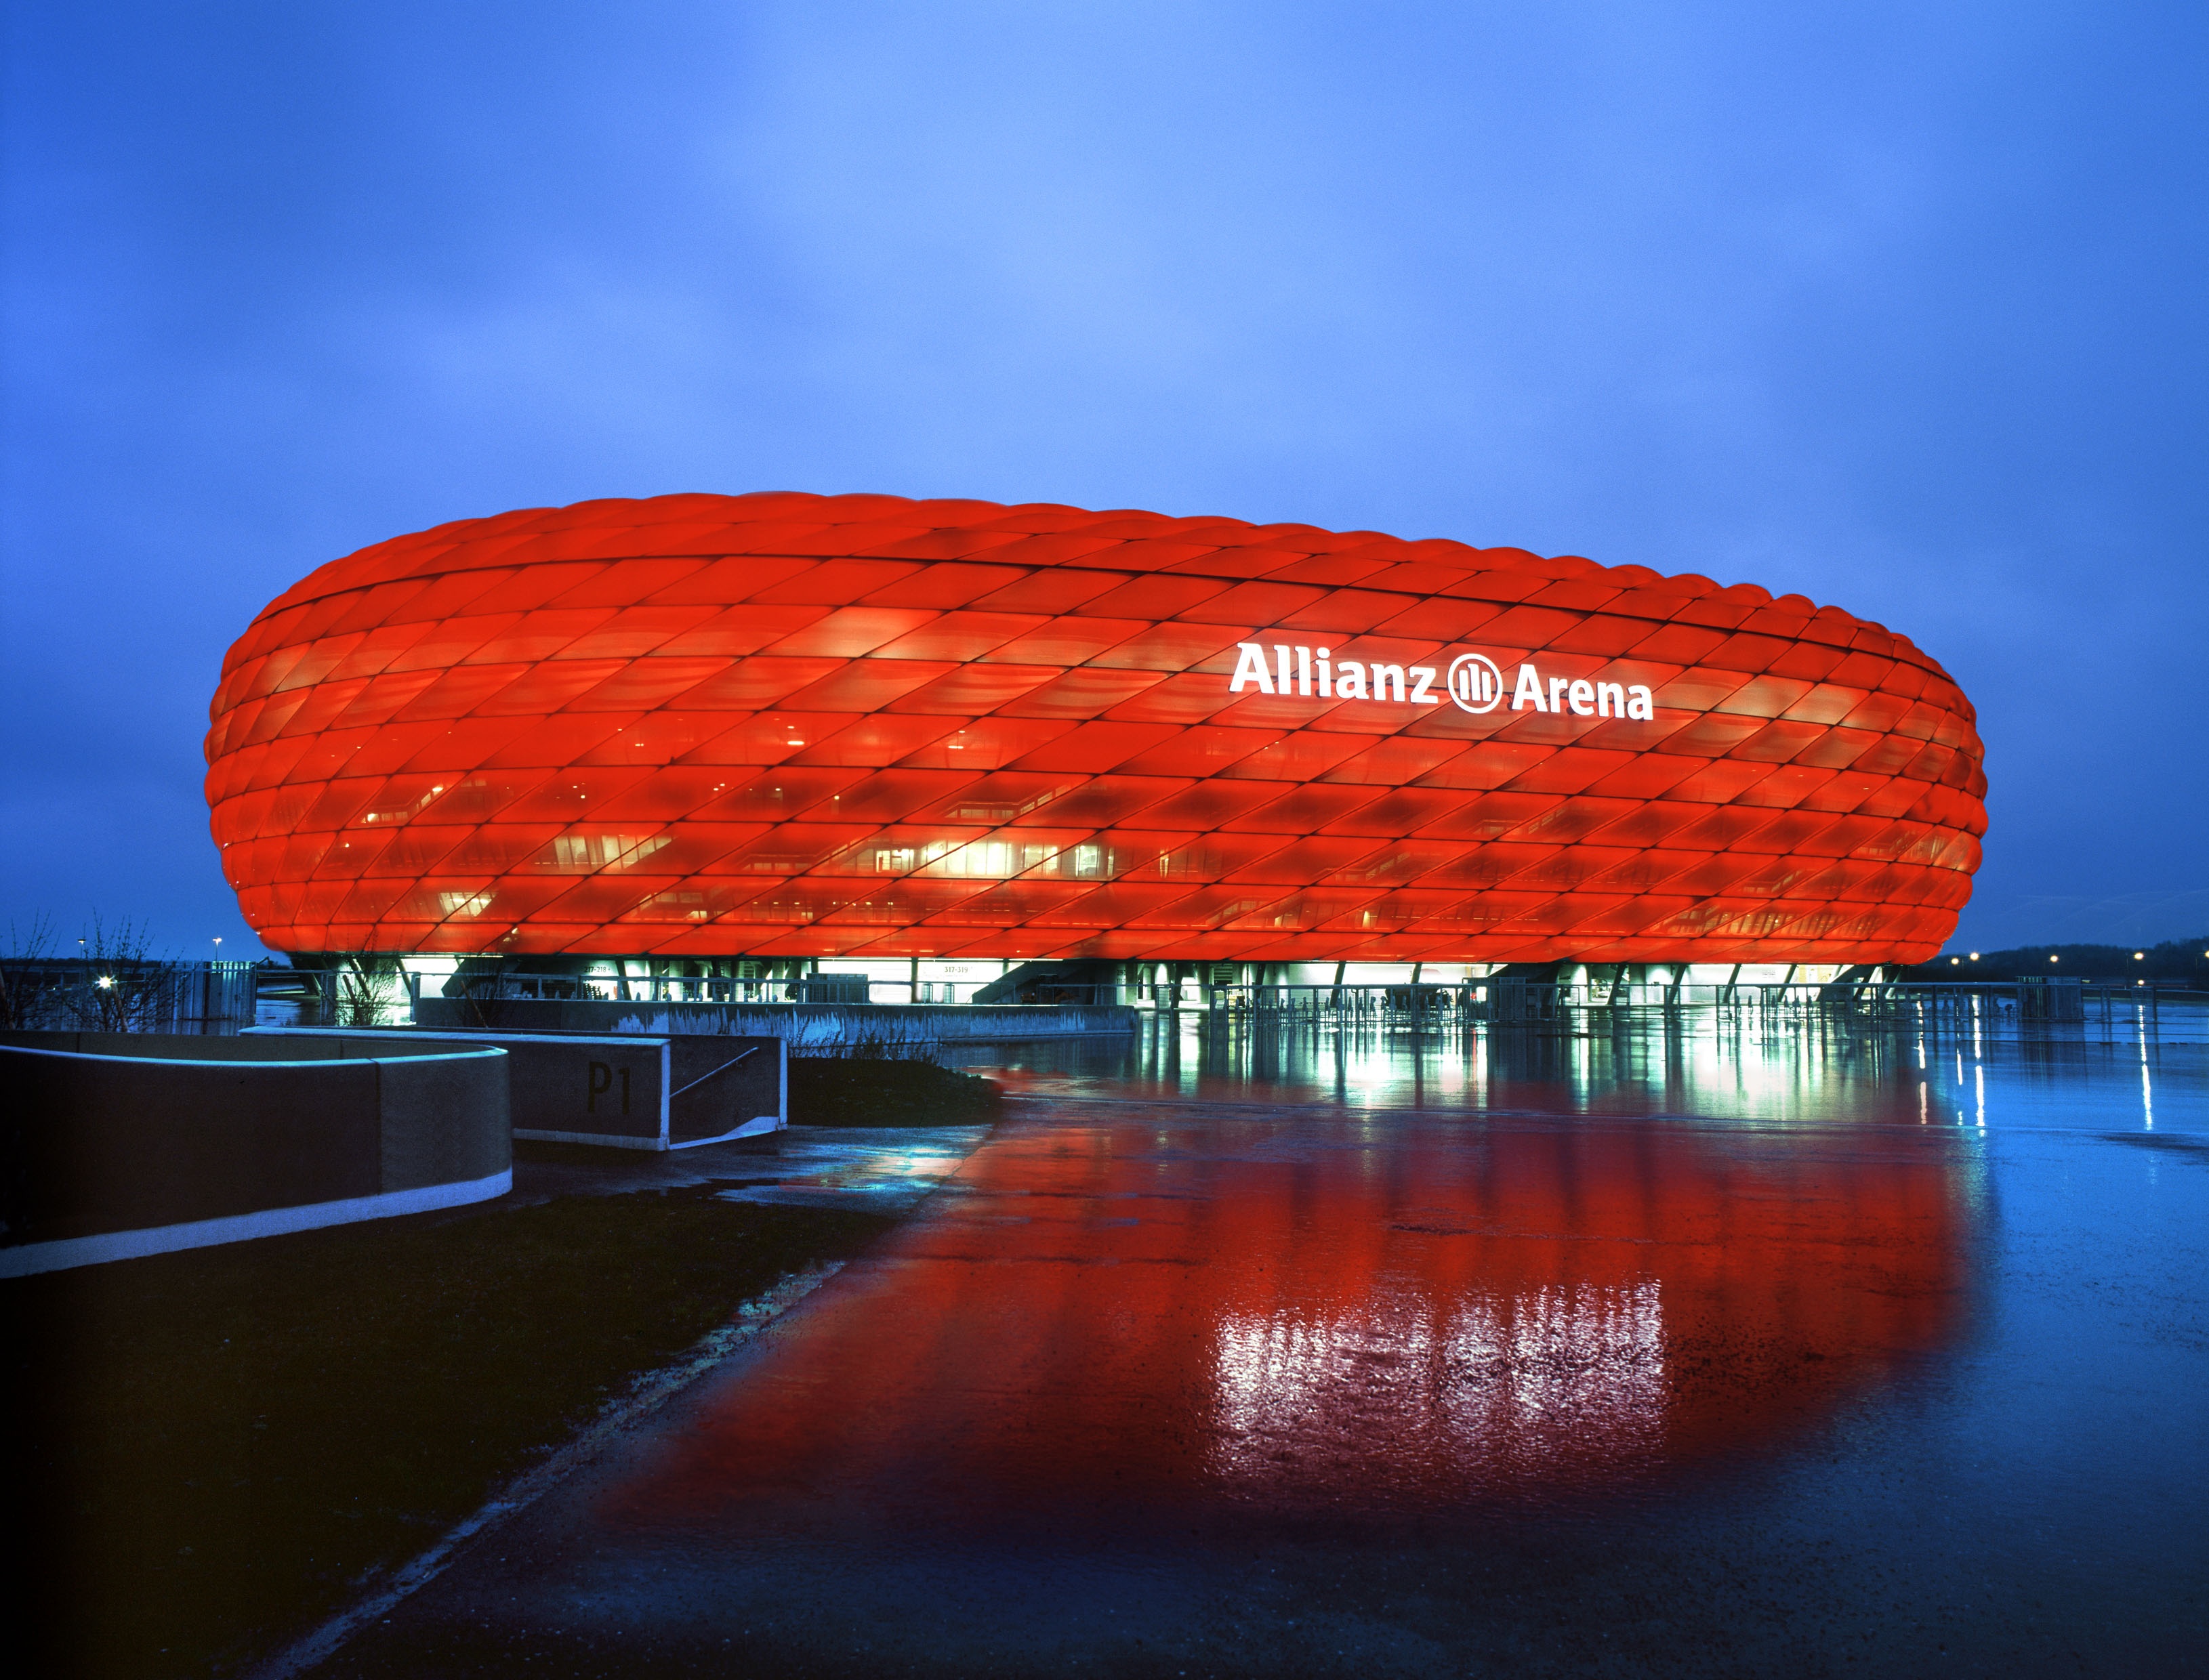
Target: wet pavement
[
  {"x": 1665, "y": 1354},
  {"x": 871, "y": 1169},
  {"x": 866, "y": 1169}
]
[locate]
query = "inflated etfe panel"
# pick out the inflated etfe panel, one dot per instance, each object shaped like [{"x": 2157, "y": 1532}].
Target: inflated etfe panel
[{"x": 794, "y": 725}]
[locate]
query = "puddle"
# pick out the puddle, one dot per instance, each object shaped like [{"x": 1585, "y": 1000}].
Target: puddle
[{"x": 878, "y": 1169}]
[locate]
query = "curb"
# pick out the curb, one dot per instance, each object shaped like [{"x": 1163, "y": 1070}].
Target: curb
[{"x": 651, "y": 1391}]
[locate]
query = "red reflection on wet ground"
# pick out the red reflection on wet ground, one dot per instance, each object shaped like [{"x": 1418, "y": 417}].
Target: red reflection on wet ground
[{"x": 1145, "y": 1312}]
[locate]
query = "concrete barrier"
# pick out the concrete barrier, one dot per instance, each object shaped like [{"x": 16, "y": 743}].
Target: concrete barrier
[
  {"x": 804, "y": 1026},
  {"x": 115, "y": 1145},
  {"x": 617, "y": 1090}
]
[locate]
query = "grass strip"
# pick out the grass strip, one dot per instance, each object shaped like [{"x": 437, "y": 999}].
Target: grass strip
[{"x": 218, "y": 1449}]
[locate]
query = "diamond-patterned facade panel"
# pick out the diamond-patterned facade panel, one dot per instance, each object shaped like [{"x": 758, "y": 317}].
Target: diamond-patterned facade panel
[{"x": 788, "y": 725}]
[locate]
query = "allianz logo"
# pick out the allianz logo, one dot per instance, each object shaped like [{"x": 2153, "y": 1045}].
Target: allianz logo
[{"x": 1474, "y": 683}]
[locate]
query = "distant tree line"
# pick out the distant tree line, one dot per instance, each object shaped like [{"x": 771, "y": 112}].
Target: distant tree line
[{"x": 2182, "y": 962}]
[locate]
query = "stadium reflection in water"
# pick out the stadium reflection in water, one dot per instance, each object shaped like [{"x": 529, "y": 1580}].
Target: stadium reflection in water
[{"x": 1191, "y": 1285}]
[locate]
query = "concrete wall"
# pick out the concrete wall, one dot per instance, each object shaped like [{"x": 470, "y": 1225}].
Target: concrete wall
[
  {"x": 119, "y": 1144},
  {"x": 805, "y": 1027},
  {"x": 641, "y": 1091}
]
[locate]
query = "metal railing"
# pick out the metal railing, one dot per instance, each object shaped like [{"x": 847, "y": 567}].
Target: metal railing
[
  {"x": 2018, "y": 1007},
  {"x": 633, "y": 988},
  {"x": 113, "y": 995},
  {"x": 1605, "y": 1006}
]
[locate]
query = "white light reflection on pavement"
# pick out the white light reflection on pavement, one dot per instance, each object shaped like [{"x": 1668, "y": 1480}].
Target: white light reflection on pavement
[{"x": 1516, "y": 1384}]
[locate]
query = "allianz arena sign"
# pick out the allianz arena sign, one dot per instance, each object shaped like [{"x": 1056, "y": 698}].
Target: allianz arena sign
[
  {"x": 1475, "y": 685},
  {"x": 786, "y": 725}
]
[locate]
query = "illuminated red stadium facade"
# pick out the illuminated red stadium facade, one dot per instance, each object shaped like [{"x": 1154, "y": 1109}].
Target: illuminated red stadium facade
[{"x": 787, "y": 726}]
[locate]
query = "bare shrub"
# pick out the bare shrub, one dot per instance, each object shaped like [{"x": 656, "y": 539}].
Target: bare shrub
[
  {"x": 369, "y": 990},
  {"x": 29, "y": 984},
  {"x": 121, "y": 987}
]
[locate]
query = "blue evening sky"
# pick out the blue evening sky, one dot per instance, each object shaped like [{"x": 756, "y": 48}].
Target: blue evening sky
[{"x": 1899, "y": 306}]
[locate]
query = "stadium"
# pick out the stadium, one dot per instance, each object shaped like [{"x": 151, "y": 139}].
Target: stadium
[{"x": 928, "y": 742}]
